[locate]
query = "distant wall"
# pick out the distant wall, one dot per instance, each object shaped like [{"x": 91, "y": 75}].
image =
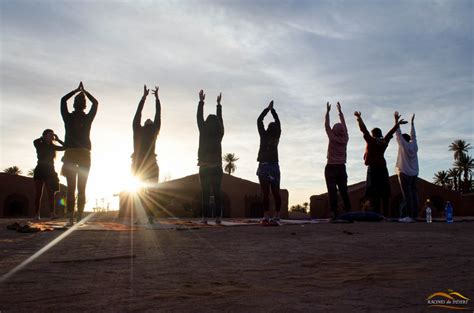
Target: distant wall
[
  {"x": 463, "y": 204},
  {"x": 182, "y": 198},
  {"x": 17, "y": 197}
]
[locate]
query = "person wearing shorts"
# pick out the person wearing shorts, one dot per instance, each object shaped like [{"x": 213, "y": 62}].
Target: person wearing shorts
[
  {"x": 268, "y": 171},
  {"x": 77, "y": 157},
  {"x": 44, "y": 175}
]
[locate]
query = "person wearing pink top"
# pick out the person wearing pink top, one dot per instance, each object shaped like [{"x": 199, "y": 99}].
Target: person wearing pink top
[{"x": 335, "y": 171}]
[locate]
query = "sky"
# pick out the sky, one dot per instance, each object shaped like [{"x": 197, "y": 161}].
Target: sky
[{"x": 376, "y": 57}]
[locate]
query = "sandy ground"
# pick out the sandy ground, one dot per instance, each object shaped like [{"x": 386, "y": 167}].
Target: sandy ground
[{"x": 359, "y": 267}]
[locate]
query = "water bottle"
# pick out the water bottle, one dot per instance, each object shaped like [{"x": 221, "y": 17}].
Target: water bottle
[
  {"x": 449, "y": 212},
  {"x": 428, "y": 215}
]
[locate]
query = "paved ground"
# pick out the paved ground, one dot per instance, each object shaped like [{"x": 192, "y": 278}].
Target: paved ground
[{"x": 359, "y": 267}]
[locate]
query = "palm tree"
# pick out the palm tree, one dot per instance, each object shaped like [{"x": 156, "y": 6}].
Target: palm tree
[
  {"x": 441, "y": 178},
  {"x": 230, "y": 160},
  {"x": 453, "y": 175},
  {"x": 305, "y": 206},
  {"x": 13, "y": 170},
  {"x": 459, "y": 147},
  {"x": 466, "y": 164},
  {"x": 31, "y": 172}
]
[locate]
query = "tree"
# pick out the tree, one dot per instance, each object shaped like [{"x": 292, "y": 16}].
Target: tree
[
  {"x": 13, "y": 170},
  {"x": 453, "y": 176},
  {"x": 466, "y": 164},
  {"x": 31, "y": 172},
  {"x": 441, "y": 178},
  {"x": 230, "y": 160},
  {"x": 298, "y": 208},
  {"x": 305, "y": 206},
  {"x": 459, "y": 147}
]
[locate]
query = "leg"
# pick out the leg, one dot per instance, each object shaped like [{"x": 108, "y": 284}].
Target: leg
[
  {"x": 414, "y": 197},
  {"x": 50, "y": 193},
  {"x": 38, "y": 193},
  {"x": 386, "y": 192},
  {"x": 265, "y": 187},
  {"x": 402, "y": 180},
  {"x": 71, "y": 191},
  {"x": 277, "y": 197},
  {"x": 82, "y": 175},
  {"x": 330, "y": 176},
  {"x": 216, "y": 181},
  {"x": 371, "y": 191},
  {"x": 342, "y": 186},
  {"x": 205, "y": 191}
]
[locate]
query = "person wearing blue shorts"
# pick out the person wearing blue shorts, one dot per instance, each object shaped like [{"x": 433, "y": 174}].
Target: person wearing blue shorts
[{"x": 268, "y": 169}]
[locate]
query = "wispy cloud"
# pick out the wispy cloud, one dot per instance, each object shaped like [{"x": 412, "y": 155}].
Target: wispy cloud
[{"x": 376, "y": 57}]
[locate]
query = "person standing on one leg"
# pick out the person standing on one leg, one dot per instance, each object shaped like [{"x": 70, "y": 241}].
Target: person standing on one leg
[
  {"x": 211, "y": 132},
  {"x": 44, "y": 175},
  {"x": 407, "y": 171},
  {"x": 335, "y": 171},
  {"x": 77, "y": 157},
  {"x": 377, "y": 183},
  {"x": 268, "y": 169},
  {"x": 144, "y": 165}
]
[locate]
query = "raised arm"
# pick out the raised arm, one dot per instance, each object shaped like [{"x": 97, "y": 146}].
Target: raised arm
[
  {"x": 398, "y": 132},
  {"x": 362, "y": 126},
  {"x": 95, "y": 104},
  {"x": 275, "y": 117},
  {"x": 219, "y": 110},
  {"x": 260, "y": 126},
  {"x": 138, "y": 115},
  {"x": 327, "y": 124},
  {"x": 36, "y": 142},
  {"x": 200, "y": 110},
  {"x": 342, "y": 119},
  {"x": 413, "y": 133},
  {"x": 157, "y": 121},
  {"x": 65, "y": 98},
  {"x": 398, "y": 122},
  {"x": 61, "y": 147}
]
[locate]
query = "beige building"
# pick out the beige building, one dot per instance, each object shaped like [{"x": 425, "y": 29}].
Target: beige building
[
  {"x": 17, "y": 197},
  {"x": 182, "y": 198},
  {"x": 463, "y": 205}
]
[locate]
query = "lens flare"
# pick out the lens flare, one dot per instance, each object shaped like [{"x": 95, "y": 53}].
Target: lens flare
[{"x": 133, "y": 184}]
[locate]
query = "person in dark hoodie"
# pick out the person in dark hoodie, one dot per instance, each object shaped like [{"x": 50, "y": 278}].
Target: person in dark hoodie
[
  {"x": 335, "y": 171},
  {"x": 77, "y": 157},
  {"x": 211, "y": 132},
  {"x": 144, "y": 165},
  {"x": 377, "y": 183},
  {"x": 44, "y": 175},
  {"x": 268, "y": 169}
]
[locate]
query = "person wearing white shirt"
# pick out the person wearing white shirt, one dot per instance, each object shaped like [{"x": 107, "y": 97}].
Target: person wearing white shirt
[{"x": 407, "y": 171}]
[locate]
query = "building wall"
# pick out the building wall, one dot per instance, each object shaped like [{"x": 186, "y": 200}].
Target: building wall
[
  {"x": 17, "y": 197},
  {"x": 463, "y": 204},
  {"x": 182, "y": 198}
]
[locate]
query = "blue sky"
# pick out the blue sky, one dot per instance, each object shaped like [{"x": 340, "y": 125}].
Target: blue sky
[{"x": 372, "y": 56}]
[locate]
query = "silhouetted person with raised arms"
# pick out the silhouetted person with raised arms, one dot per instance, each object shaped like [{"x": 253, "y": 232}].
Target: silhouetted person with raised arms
[
  {"x": 407, "y": 171},
  {"x": 377, "y": 183},
  {"x": 335, "y": 170},
  {"x": 44, "y": 175},
  {"x": 268, "y": 169},
  {"x": 211, "y": 132},
  {"x": 144, "y": 165},
  {"x": 77, "y": 157}
]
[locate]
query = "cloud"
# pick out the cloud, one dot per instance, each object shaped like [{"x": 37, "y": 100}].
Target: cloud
[{"x": 376, "y": 57}]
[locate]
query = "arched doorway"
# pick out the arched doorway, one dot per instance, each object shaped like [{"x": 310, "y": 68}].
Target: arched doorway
[{"x": 15, "y": 205}]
